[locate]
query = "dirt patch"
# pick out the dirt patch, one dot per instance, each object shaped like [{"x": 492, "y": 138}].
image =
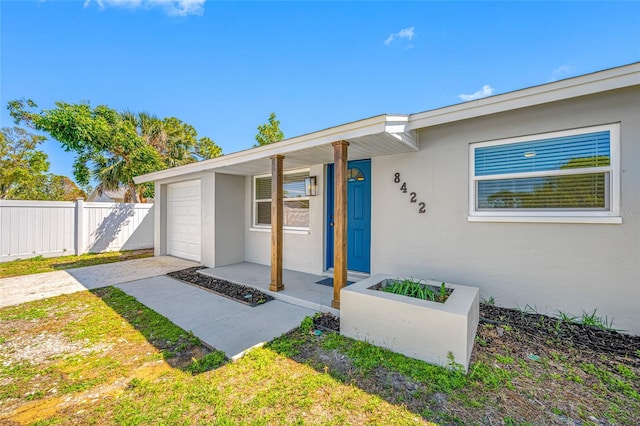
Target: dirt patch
[
  {"x": 43, "y": 346},
  {"x": 74, "y": 351},
  {"x": 237, "y": 292}
]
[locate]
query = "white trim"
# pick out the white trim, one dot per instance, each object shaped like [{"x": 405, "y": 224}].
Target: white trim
[
  {"x": 608, "y": 215},
  {"x": 254, "y": 225},
  {"x": 286, "y": 230},
  {"x": 600, "y": 81},
  {"x": 611, "y": 220}
]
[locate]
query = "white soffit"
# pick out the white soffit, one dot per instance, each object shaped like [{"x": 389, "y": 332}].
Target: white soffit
[{"x": 380, "y": 135}]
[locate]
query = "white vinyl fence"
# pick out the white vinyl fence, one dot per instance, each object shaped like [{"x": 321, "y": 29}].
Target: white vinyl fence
[{"x": 58, "y": 228}]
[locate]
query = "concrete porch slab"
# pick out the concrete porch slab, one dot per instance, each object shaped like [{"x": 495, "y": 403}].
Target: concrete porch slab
[{"x": 299, "y": 288}]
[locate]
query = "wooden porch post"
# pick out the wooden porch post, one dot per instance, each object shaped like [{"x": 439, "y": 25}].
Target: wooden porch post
[
  {"x": 276, "y": 223},
  {"x": 340, "y": 159}
]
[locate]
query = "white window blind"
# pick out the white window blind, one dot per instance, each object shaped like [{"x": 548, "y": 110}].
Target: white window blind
[
  {"x": 570, "y": 172},
  {"x": 296, "y": 204}
]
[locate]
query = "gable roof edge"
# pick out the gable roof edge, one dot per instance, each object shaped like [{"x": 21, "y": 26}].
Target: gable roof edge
[{"x": 601, "y": 81}]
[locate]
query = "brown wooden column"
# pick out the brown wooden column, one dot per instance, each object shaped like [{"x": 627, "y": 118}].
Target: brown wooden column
[
  {"x": 276, "y": 223},
  {"x": 340, "y": 158}
]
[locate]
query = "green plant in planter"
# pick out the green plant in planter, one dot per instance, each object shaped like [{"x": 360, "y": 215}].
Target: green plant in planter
[{"x": 416, "y": 288}]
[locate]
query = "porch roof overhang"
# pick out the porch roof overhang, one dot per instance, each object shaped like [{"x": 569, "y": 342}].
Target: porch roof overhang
[{"x": 380, "y": 135}]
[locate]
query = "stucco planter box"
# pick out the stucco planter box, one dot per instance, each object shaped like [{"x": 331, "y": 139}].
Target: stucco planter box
[{"x": 417, "y": 328}]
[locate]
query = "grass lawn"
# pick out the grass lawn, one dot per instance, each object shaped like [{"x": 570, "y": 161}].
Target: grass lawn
[
  {"x": 40, "y": 264},
  {"x": 101, "y": 357}
]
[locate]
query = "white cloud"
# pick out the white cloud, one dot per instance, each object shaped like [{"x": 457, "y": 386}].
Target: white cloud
[
  {"x": 482, "y": 93},
  {"x": 561, "y": 72},
  {"x": 171, "y": 7},
  {"x": 406, "y": 33}
]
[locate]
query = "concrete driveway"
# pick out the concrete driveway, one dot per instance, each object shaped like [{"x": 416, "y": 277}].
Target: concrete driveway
[{"x": 26, "y": 288}]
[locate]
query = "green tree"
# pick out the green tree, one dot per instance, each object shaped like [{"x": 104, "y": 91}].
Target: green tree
[
  {"x": 113, "y": 147},
  {"x": 61, "y": 188},
  {"x": 22, "y": 166},
  {"x": 269, "y": 133},
  {"x": 49, "y": 187}
]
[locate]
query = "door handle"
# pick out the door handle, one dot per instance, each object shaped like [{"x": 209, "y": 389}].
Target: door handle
[{"x": 330, "y": 223}]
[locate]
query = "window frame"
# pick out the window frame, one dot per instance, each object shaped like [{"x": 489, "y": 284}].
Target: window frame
[
  {"x": 587, "y": 215},
  {"x": 255, "y": 201}
]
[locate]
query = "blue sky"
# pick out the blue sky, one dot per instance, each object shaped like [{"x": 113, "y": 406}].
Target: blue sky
[{"x": 224, "y": 66}]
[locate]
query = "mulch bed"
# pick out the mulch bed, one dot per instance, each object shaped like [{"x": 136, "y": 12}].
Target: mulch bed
[
  {"x": 540, "y": 327},
  {"x": 550, "y": 328},
  {"x": 327, "y": 321},
  {"x": 237, "y": 292}
]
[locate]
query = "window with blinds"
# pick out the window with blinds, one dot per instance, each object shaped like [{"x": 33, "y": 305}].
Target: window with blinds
[
  {"x": 296, "y": 204},
  {"x": 561, "y": 173}
]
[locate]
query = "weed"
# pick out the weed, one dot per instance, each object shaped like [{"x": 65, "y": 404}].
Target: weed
[
  {"x": 307, "y": 325},
  {"x": 492, "y": 377},
  {"x": 210, "y": 361},
  {"x": 625, "y": 372},
  {"x": 503, "y": 359},
  {"x": 563, "y": 316},
  {"x": 490, "y": 301},
  {"x": 596, "y": 321}
]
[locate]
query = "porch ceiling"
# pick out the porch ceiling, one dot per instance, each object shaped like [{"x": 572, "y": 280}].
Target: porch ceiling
[{"x": 359, "y": 148}]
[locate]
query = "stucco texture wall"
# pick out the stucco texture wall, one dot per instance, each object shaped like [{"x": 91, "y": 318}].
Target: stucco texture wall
[
  {"x": 550, "y": 267},
  {"x": 300, "y": 252}
]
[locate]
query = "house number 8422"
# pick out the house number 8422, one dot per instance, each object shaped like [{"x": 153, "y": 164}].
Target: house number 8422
[{"x": 413, "y": 196}]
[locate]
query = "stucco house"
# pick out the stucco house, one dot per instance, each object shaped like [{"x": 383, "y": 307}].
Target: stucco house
[{"x": 533, "y": 196}]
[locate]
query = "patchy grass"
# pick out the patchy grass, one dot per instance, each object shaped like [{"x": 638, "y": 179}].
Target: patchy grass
[
  {"x": 101, "y": 357},
  {"x": 558, "y": 385},
  {"x": 37, "y": 265}
]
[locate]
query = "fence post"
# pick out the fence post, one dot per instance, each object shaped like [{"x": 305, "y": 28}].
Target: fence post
[{"x": 79, "y": 226}]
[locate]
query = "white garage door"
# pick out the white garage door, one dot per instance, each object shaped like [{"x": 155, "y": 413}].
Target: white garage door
[{"x": 183, "y": 220}]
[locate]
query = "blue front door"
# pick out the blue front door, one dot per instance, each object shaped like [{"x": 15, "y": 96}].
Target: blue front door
[{"x": 358, "y": 215}]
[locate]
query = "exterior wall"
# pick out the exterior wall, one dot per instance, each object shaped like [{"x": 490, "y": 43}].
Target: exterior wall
[
  {"x": 551, "y": 267},
  {"x": 208, "y": 219},
  {"x": 222, "y": 199},
  {"x": 302, "y": 251},
  {"x": 46, "y": 228},
  {"x": 229, "y": 221}
]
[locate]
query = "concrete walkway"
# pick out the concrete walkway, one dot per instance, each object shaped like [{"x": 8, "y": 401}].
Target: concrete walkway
[
  {"x": 222, "y": 323},
  {"x": 27, "y": 288}
]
